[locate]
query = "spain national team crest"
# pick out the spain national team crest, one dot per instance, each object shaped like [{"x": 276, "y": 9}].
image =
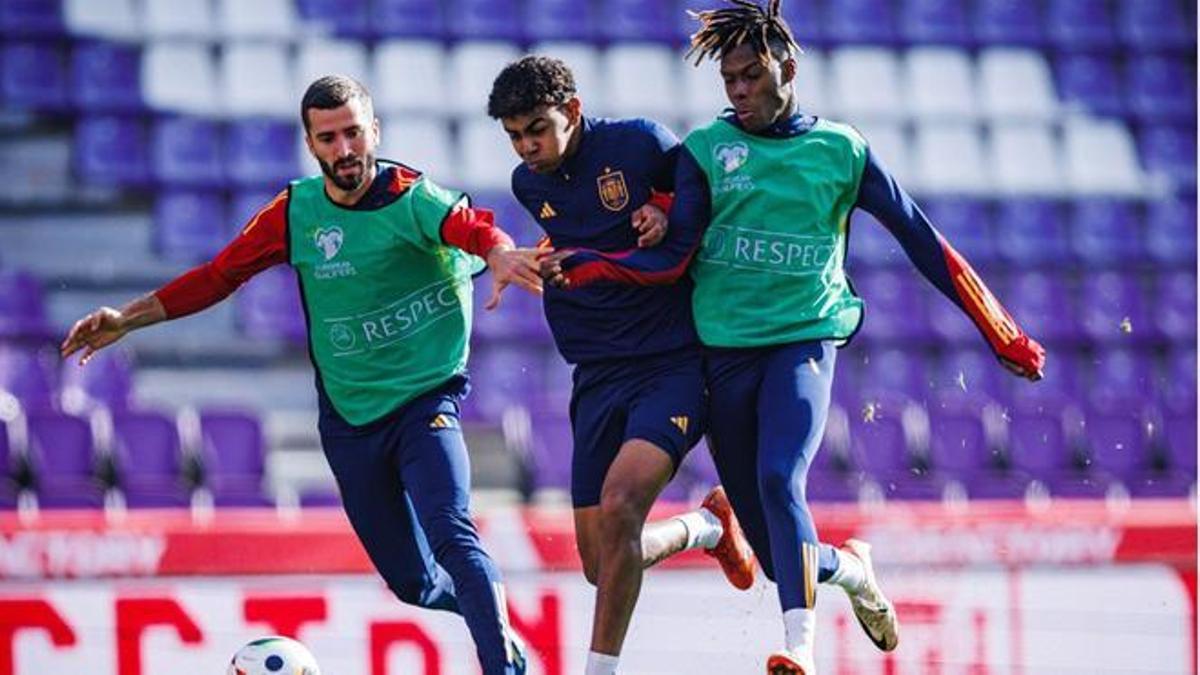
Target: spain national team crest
[{"x": 613, "y": 192}]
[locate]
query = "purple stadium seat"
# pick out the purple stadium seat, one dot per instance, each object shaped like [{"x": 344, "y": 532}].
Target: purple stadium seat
[
  {"x": 1171, "y": 232},
  {"x": 880, "y": 449},
  {"x": 861, "y": 22},
  {"x": 1062, "y": 384},
  {"x": 261, "y": 152},
  {"x": 22, "y": 306},
  {"x": 871, "y": 245},
  {"x": 1080, "y": 24},
  {"x": 1179, "y": 432},
  {"x": 934, "y": 21},
  {"x": 896, "y": 372},
  {"x": 519, "y": 315},
  {"x": 1040, "y": 446},
  {"x": 505, "y": 375},
  {"x": 1177, "y": 380},
  {"x": 269, "y": 307},
  {"x": 1105, "y": 232},
  {"x": 245, "y": 204},
  {"x": 33, "y": 76},
  {"x": 1120, "y": 380},
  {"x": 559, "y": 20},
  {"x": 408, "y": 18},
  {"x": 1175, "y": 473},
  {"x": 895, "y": 308},
  {"x": 967, "y": 225},
  {"x": 958, "y": 444},
  {"x": 29, "y": 376},
  {"x": 149, "y": 464},
  {"x": 1091, "y": 82},
  {"x": 806, "y": 19},
  {"x": 485, "y": 19},
  {"x": 1034, "y": 232},
  {"x": 111, "y": 150},
  {"x": 31, "y": 18},
  {"x": 1009, "y": 22},
  {"x": 1175, "y": 306},
  {"x": 1117, "y": 444},
  {"x": 62, "y": 461},
  {"x": 312, "y": 497},
  {"x": 233, "y": 452},
  {"x": 1161, "y": 88},
  {"x": 106, "y": 77},
  {"x": 189, "y": 225},
  {"x": 967, "y": 376},
  {"x": 552, "y": 445},
  {"x": 1042, "y": 305},
  {"x": 343, "y": 17},
  {"x": 187, "y": 152},
  {"x": 1150, "y": 25},
  {"x": 1105, "y": 301},
  {"x": 638, "y": 20},
  {"x": 1171, "y": 152},
  {"x": 105, "y": 382}
]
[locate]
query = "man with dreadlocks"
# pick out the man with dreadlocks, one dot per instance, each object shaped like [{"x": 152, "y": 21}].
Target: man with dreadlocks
[
  {"x": 763, "y": 196},
  {"x": 638, "y": 398}
]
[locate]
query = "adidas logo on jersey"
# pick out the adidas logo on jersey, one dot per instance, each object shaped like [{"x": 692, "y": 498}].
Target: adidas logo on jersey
[
  {"x": 547, "y": 211},
  {"x": 441, "y": 422},
  {"x": 681, "y": 422}
]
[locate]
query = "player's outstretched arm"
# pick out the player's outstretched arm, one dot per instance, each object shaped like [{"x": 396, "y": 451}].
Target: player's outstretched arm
[
  {"x": 107, "y": 325},
  {"x": 881, "y": 196}
]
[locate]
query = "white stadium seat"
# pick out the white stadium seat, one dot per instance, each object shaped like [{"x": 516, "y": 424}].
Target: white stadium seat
[
  {"x": 949, "y": 159},
  {"x": 178, "y": 18},
  {"x": 890, "y": 146},
  {"x": 1016, "y": 84},
  {"x": 256, "y": 80},
  {"x": 812, "y": 89},
  {"x": 422, "y": 142},
  {"x": 410, "y": 77},
  {"x": 1101, "y": 158},
  {"x": 473, "y": 68},
  {"x": 640, "y": 80},
  {"x": 939, "y": 84},
  {"x": 1025, "y": 159},
  {"x": 319, "y": 57},
  {"x": 179, "y": 76},
  {"x": 485, "y": 156},
  {"x": 865, "y": 84},
  {"x": 115, "y": 19},
  {"x": 584, "y": 61},
  {"x": 270, "y": 19},
  {"x": 703, "y": 90}
]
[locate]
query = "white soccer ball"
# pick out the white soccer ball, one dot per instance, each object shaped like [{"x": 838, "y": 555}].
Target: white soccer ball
[{"x": 274, "y": 655}]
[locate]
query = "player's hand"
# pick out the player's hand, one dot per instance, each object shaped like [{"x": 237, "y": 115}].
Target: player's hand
[
  {"x": 550, "y": 267},
  {"x": 651, "y": 224},
  {"x": 94, "y": 332},
  {"x": 1025, "y": 357},
  {"x": 512, "y": 266}
]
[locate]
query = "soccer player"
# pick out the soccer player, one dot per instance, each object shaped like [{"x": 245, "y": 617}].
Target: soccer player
[
  {"x": 384, "y": 259},
  {"x": 763, "y": 196},
  {"x": 637, "y": 405}
]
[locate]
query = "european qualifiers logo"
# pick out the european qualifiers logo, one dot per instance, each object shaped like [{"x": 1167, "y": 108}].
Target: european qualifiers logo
[
  {"x": 731, "y": 157},
  {"x": 329, "y": 240}
]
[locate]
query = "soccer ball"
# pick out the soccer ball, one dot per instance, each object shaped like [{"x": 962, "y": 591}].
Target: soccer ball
[{"x": 273, "y": 655}]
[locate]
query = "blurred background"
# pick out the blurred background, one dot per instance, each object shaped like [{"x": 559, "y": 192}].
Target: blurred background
[{"x": 1053, "y": 142}]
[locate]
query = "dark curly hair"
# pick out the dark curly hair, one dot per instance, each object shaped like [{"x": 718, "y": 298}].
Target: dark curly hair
[
  {"x": 528, "y": 83},
  {"x": 745, "y": 22}
]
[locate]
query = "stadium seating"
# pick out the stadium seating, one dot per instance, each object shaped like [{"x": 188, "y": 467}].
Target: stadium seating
[
  {"x": 1050, "y": 141},
  {"x": 232, "y": 454},
  {"x": 8, "y": 484},
  {"x": 62, "y": 461}
]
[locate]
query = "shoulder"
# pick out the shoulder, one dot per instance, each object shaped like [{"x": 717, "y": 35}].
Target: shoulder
[
  {"x": 842, "y": 133},
  {"x": 522, "y": 180},
  {"x": 641, "y": 129}
]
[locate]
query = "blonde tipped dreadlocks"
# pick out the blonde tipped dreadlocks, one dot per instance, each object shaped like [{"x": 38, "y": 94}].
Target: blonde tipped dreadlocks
[{"x": 722, "y": 30}]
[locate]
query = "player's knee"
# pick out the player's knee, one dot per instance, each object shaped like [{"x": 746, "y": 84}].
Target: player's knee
[
  {"x": 621, "y": 516},
  {"x": 591, "y": 570}
]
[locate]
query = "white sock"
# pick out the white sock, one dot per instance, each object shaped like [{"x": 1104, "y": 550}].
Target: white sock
[
  {"x": 800, "y": 630},
  {"x": 850, "y": 573},
  {"x": 704, "y": 529},
  {"x": 601, "y": 664}
]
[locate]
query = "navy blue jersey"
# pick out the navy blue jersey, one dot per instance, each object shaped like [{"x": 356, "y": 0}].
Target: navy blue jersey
[{"x": 588, "y": 203}]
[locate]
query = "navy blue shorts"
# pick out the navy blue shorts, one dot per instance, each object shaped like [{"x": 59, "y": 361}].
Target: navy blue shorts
[{"x": 659, "y": 399}]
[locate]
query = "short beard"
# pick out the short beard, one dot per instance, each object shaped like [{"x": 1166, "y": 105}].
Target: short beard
[{"x": 348, "y": 183}]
